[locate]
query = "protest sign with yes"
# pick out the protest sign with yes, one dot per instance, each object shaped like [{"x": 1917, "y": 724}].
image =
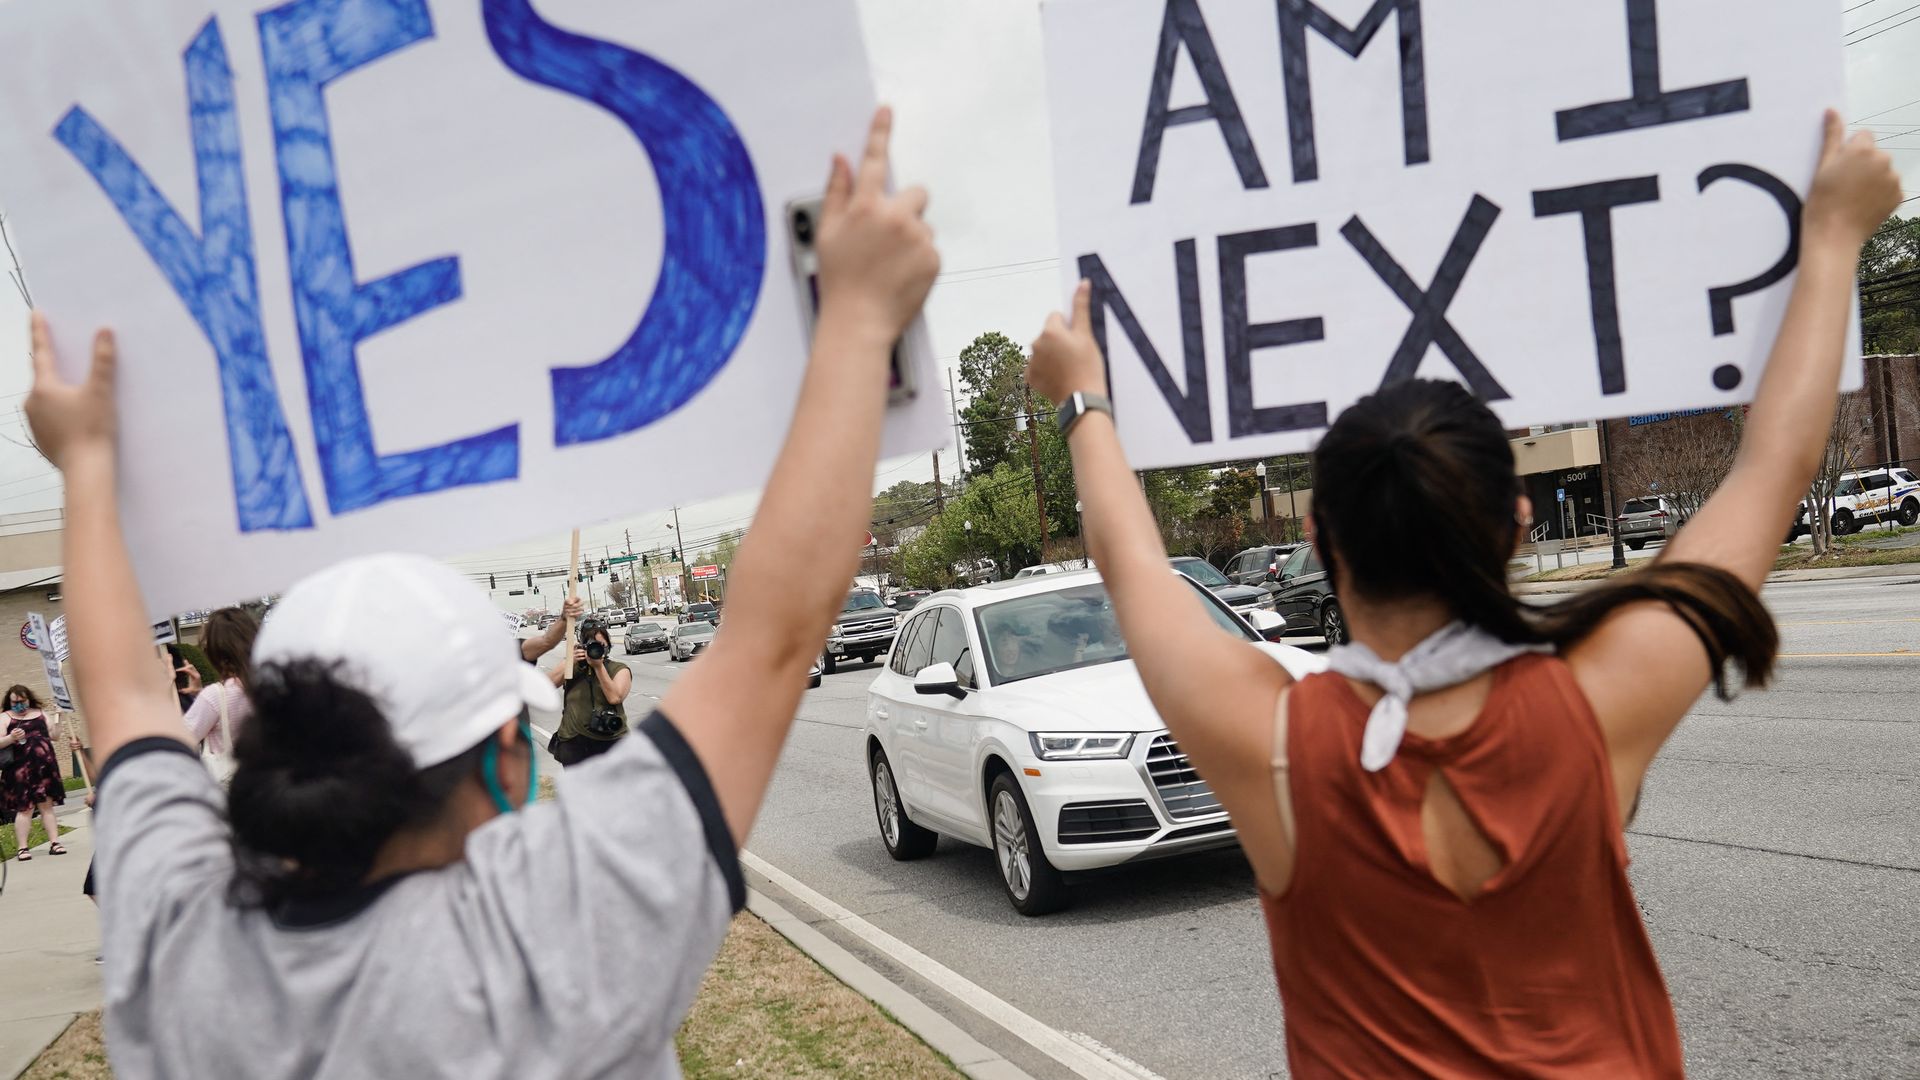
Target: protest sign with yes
[
  {"x": 1577, "y": 210},
  {"x": 425, "y": 275}
]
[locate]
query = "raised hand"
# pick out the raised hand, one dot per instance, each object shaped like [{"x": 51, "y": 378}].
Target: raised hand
[
  {"x": 65, "y": 418},
  {"x": 877, "y": 259},
  {"x": 1065, "y": 357},
  {"x": 1854, "y": 188}
]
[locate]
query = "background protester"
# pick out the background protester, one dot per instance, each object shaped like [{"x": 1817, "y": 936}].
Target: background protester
[
  {"x": 186, "y": 677},
  {"x": 377, "y": 841},
  {"x": 30, "y": 771},
  {"x": 1437, "y": 824},
  {"x": 219, "y": 711},
  {"x": 593, "y": 712}
]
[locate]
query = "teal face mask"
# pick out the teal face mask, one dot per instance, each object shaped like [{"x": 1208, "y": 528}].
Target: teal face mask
[{"x": 490, "y": 769}]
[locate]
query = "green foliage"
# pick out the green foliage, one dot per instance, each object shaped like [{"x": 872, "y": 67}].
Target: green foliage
[
  {"x": 991, "y": 369},
  {"x": 199, "y": 661},
  {"x": 1006, "y": 529},
  {"x": 1890, "y": 288}
]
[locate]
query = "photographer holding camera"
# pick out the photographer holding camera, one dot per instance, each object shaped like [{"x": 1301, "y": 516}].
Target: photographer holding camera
[{"x": 592, "y": 718}]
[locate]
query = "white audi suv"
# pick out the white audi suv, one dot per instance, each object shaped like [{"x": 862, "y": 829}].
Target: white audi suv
[{"x": 1009, "y": 716}]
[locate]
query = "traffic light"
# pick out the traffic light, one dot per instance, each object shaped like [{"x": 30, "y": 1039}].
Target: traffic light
[
  {"x": 490, "y": 583},
  {"x": 644, "y": 561},
  {"x": 603, "y": 566},
  {"x": 529, "y": 579}
]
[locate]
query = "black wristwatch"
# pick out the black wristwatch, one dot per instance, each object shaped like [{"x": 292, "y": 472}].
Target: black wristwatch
[{"x": 1078, "y": 405}]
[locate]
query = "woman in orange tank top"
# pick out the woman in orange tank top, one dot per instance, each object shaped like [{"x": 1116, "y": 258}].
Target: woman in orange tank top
[{"x": 1436, "y": 824}]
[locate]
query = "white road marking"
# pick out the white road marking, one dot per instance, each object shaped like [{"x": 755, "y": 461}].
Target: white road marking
[{"x": 1071, "y": 1051}]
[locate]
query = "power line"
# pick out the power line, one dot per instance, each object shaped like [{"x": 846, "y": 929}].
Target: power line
[
  {"x": 1858, "y": 6},
  {"x": 1889, "y": 18},
  {"x": 1877, "y": 33}
]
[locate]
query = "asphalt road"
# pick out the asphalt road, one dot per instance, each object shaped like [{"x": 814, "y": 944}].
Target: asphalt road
[{"x": 1776, "y": 856}]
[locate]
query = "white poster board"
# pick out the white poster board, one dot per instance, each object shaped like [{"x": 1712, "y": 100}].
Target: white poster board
[
  {"x": 425, "y": 274},
  {"x": 56, "y": 682},
  {"x": 1284, "y": 204}
]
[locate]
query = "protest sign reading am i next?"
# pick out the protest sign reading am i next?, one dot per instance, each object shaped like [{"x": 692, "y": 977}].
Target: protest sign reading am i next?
[
  {"x": 1578, "y": 210},
  {"x": 427, "y": 275}
]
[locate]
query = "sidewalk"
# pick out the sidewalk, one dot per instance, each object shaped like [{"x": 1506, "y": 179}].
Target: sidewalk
[
  {"x": 1836, "y": 573},
  {"x": 52, "y": 937}
]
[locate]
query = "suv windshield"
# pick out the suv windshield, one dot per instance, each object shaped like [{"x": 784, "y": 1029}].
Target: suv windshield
[
  {"x": 1202, "y": 571},
  {"x": 1064, "y": 629},
  {"x": 862, "y": 601}
]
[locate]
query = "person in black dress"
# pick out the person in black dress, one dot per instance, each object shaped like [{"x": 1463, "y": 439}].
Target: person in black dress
[{"x": 31, "y": 780}]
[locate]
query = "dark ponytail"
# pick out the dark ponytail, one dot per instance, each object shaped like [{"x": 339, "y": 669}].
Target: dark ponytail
[
  {"x": 1427, "y": 458},
  {"x": 320, "y": 785}
]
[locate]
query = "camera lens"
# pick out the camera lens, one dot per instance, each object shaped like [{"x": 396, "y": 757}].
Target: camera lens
[{"x": 803, "y": 226}]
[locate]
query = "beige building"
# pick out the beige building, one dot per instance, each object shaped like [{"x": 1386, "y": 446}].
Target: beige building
[{"x": 29, "y": 582}]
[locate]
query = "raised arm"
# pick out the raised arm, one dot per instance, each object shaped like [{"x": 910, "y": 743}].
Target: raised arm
[
  {"x": 735, "y": 705},
  {"x": 1216, "y": 694},
  {"x": 544, "y": 642},
  {"x": 1643, "y": 668},
  {"x": 114, "y": 666}
]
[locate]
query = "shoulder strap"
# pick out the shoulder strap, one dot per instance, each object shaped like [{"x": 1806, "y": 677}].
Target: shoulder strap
[
  {"x": 1282, "y": 765},
  {"x": 226, "y": 727}
]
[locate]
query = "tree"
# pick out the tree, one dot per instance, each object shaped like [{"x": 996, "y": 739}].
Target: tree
[
  {"x": 1848, "y": 442},
  {"x": 1890, "y": 288},
  {"x": 1685, "y": 458},
  {"x": 992, "y": 369},
  {"x": 1234, "y": 490},
  {"x": 619, "y": 589}
]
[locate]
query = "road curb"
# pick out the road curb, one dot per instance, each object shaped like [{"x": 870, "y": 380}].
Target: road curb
[
  {"x": 1078, "y": 1054},
  {"x": 967, "y": 1053},
  {"x": 1778, "y": 577}
]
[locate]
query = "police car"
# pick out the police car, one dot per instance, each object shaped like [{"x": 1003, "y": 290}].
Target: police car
[{"x": 1874, "y": 495}]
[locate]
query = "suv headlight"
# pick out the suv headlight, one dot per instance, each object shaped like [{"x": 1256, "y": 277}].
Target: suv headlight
[{"x": 1080, "y": 746}]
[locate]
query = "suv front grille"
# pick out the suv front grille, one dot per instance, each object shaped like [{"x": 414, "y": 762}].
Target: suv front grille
[
  {"x": 1106, "y": 822},
  {"x": 872, "y": 626},
  {"x": 1182, "y": 792}
]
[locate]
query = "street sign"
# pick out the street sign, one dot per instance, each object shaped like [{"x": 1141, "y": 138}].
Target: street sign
[
  {"x": 617, "y": 559},
  {"x": 1560, "y": 494},
  {"x": 700, "y": 573}
]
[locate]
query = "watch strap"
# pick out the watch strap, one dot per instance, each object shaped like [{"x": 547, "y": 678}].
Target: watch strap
[{"x": 1078, "y": 405}]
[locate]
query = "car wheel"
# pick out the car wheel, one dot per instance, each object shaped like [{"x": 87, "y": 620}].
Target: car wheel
[
  {"x": 905, "y": 841},
  {"x": 829, "y": 664},
  {"x": 1909, "y": 512},
  {"x": 1636, "y": 544},
  {"x": 1842, "y": 522},
  {"x": 1033, "y": 885},
  {"x": 1333, "y": 624}
]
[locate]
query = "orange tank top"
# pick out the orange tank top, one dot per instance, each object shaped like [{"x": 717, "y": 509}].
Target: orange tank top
[{"x": 1383, "y": 971}]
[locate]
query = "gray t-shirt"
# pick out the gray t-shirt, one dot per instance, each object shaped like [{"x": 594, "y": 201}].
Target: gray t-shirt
[{"x": 569, "y": 943}]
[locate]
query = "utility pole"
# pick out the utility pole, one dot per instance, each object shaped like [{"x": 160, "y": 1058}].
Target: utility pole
[
  {"x": 1606, "y": 493},
  {"x": 939, "y": 497},
  {"x": 1039, "y": 486},
  {"x": 680, "y": 543},
  {"x": 953, "y": 403}
]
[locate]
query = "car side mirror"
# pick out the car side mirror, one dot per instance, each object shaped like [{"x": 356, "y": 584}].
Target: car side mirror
[
  {"x": 1266, "y": 623},
  {"x": 1275, "y": 575},
  {"x": 938, "y": 679}
]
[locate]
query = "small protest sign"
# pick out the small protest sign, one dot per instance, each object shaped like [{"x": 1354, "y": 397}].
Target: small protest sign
[
  {"x": 56, "y": 682},
  {"x": 1576, "y": 210},
  {"x": 57, "y": 631},
  {"x": 424, "y": 274}
]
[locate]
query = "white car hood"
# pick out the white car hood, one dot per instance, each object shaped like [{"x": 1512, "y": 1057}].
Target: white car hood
[{"x": 1104, "y": 697}]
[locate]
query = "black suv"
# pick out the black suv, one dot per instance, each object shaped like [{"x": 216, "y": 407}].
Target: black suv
[
  {"x": 1303, "y": 595},
  {"x": 863, "y": 631}
]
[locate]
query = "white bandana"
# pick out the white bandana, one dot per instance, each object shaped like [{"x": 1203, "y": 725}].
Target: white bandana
[{"x": 1455, "y": 653}]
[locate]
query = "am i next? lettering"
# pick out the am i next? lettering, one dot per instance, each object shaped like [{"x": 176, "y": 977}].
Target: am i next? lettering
[
  {"x": 1648, "y": 103},
  {"x": 713, "y": 224}
]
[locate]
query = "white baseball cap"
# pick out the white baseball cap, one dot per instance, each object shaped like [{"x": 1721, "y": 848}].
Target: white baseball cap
[{"x": 426, "y": 645}]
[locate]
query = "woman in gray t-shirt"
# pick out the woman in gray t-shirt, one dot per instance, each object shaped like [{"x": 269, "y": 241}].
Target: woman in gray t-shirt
[{"x": 376, "y": 896}]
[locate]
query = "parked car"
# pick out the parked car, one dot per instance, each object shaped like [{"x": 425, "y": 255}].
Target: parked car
[
  {"x": 863, "y": 631},
  {"x": 1011, "y": 717},
  {"x": 1303, "y": 596},
  {"x": 643, "y": 637},
  {"x": 907, "y": 599},
  {"x": 1648, "y": 518},
  {"x": 1259, "y": 566},
  {"x": 614, "y": 616},
  {"x": 1243, "y": 599},
  {"x": 690, "y": 639},
  {"x": 1039, "y": 570},
  {"x": 1874, "y": 495}
]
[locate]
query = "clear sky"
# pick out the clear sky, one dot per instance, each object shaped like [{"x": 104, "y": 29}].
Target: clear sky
[{"x": 966, "y": 80}]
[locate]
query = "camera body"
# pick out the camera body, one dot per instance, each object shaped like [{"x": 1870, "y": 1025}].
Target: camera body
[{"x": 584, "y": 633}]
